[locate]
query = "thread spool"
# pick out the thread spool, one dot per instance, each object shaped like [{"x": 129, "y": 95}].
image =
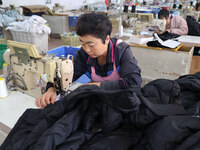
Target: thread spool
[
  {"x": 180, "y": 6},
  {"x": 174, "y": 6},
  {"x": 5, "y": 70},
  {"x": 3, "y": 88},
  {"x": 133, "y": 9}
]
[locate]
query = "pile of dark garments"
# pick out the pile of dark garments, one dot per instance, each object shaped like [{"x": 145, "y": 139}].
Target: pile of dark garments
[{"x": 163, "y": 115}]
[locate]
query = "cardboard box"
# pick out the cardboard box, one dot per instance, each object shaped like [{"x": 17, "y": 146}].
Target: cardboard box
[
  {"x": 195, "y": 65},
  {"x": 30, "y": 10}
]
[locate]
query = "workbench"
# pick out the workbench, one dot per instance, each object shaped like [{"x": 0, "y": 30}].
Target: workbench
[
  {"x": 189, "y": 40},
  {"x": 192, "y": 41},
  {"x": 158, "y": 63},
  {"x": 13, "y": 106}
]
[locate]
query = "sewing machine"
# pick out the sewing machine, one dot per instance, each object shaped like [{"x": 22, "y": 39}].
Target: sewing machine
[
  {"x": 140, "y": 21},
  {"x": 141, "y": 25},
  {"x": 195, "y": 14},
  {"x": 26, "y": 67},
  {"x": 57, "y": 8},
  {"x": 145, "y": 16}
]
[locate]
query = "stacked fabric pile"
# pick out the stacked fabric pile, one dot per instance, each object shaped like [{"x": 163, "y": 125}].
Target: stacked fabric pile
[
  {"x": 164, "y": 115},
  {"x": 33, "y": 24},
  {"x": 7, "y": 17}
]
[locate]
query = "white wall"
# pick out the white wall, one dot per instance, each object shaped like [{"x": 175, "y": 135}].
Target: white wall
[{"x": 70, "y": 4}]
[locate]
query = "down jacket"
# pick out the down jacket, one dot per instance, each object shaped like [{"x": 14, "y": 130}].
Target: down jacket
[{"x": 162, "y": 115}]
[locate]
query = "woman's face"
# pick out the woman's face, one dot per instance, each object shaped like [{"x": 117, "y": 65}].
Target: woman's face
[
  {"x": 198, "y": 9},
  {"x": 93, "y": 46},
  {"x": 168, "y": 20}
]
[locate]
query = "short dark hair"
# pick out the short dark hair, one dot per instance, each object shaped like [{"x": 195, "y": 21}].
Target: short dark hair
[
  {"x": 95, "y": 24},
  {"x": 197, "y": 6},
  {"x": 163, "y": 13}
]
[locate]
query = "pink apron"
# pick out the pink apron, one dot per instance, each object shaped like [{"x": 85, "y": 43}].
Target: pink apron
[{"x": 113, "y": 76}]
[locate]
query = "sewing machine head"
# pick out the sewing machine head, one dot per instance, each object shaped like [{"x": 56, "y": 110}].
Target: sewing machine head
[
  {"x": 141, "y": 25},
  {"x": 26, "y": 66},
  {"x": 145, "y": 16}
]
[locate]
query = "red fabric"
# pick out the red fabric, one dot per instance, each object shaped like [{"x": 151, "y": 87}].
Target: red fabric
[{"x": 106, "y": 1}]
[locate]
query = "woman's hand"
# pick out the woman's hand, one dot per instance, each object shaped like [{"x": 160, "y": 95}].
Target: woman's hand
[
  {"x": 48, "y": 97},
  {"x": 168, "y": 30},
  {"x": 158, "y": 31}
]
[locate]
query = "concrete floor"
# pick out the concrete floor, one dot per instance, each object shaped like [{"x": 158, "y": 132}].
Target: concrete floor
[{"x": 54, "y": 43}]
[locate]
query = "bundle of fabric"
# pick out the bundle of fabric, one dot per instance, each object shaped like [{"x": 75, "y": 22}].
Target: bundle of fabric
[
  {"x": 165, "y": 36},
  {"x": 33, "y": 24},
  {"x": 14, "y": 14},
  {"x": 9, "y": 16},
  {"x": 162, "y": 115}
]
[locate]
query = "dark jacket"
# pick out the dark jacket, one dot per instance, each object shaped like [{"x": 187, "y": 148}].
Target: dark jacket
[
  {"x": 125, "y": 62},
  {"x": 193, "y": 26},
  {"x": 93, "y": 118}
]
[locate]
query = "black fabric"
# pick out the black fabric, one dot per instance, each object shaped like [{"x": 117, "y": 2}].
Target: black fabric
[
  {"x": 131, "y": 119},
  {"x": 155, "y": 44},
  {"x": 170, "y": 131},
  {"x": 196, "y": 51},
  {"x": 165, "y": 36},
  {"x": 193, "y": 26}
]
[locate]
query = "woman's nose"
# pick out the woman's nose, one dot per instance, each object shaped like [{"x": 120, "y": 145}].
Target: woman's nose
[{"x": 87, "y": 48}]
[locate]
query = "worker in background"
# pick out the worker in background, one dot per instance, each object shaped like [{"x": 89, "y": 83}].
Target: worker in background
[
  {"x": 174, "y": 24},
  {"x": 176, "y": 1},
  {"x": 109, "y": 62},
  {"x": 197, "y": 6},
  {"x": 167, "y": 3},
  {"x": 128, "y": 2},
  {"x": 157, "y": 2},
  {"x": 171, "y": 1}
]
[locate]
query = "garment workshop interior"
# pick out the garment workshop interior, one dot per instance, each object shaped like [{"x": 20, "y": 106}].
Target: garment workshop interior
[{"x": 100, "y": 74}]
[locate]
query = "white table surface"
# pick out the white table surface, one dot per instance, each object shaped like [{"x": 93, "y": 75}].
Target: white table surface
[
  {"x": 189, "y": 39},
  {"x": 13, "y": 106}
]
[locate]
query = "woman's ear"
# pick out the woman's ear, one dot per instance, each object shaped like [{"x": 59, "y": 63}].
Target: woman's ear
[{"x": 107, "y": 39}]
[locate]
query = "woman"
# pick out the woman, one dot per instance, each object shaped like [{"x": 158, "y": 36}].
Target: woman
[
  {"x": 197, "y": 6},
  {"x": 174, "y": 23},
  {"x": 108, "y": 62},
  {"x": 128, "y": 2}
]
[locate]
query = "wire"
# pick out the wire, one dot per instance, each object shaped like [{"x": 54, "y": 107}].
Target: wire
[
  {"x": 13, "y": 75},
  {"x": 20, "y": 79}
]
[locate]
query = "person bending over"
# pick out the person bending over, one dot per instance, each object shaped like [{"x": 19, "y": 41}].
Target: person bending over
[
  {"x": 174, "y": 24},
  {"x": 108, "y": 62}
]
